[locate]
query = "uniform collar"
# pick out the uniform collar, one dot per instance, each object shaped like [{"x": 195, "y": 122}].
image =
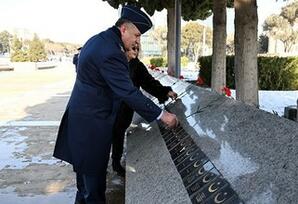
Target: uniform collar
[{"x": 117, "y": 32}]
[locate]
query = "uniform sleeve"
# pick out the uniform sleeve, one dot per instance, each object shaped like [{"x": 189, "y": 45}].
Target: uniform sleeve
[
  {"x": 151, "y": 85},
  {"x": 115, "y": 72}
]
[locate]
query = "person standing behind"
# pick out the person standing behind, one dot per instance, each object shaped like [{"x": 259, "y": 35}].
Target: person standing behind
[
  {"x": 140, "y": 78},
  {"x": 75, "y": 58},
  {"x": 102, "y": 82}
]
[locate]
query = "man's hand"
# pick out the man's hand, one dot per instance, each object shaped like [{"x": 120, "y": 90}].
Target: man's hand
[
  {"x": 169, "y": 119},
  {"x": 173, "y": 95}
]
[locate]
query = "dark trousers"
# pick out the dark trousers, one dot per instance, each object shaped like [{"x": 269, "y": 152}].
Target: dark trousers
[
  {"x": 123, "y": 120},
  {"x": 91, "y": 189}
]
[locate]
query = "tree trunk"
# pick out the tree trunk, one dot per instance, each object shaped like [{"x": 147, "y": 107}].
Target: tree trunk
[
  {"x": 287, "y": 46},
  {"x": 171, "y": 40},
  {"x": 246, "y": 66},
  {"x": 218, "y": 78}
]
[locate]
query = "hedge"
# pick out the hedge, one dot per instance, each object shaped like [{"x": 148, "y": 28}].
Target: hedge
[
  {"x": 274, "y": 73},
  {"x": 157, "y": 61},
  {"x": 162, "y": 61}
]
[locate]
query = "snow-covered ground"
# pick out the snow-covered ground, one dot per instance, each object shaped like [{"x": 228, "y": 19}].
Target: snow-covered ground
[
  {"x": 277, "y": 100},
  {"x": 270, "y": 101}
]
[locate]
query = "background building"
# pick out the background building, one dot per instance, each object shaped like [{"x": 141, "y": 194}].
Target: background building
[{"x": 150, "y": 48}]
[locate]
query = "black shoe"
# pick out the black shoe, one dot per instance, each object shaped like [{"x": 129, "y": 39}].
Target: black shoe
[{"x": 118, "y": 168}]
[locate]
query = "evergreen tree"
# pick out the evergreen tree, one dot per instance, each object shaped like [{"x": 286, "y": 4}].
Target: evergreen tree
[
  {"x": 5, "y": 38},
  {"x": 190, "y": 9},
  {"x": 18, "y": 54},
  {"x": 263, "y": 43},
  {"x": 36, "y": 52}
]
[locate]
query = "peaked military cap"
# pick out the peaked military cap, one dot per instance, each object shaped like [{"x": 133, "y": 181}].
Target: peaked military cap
[{"x": 137, "y": 17}]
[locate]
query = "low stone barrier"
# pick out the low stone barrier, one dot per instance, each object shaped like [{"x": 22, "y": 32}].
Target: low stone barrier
[
  {"x": 6, "y": 67},
  {"x": 32, "y": 66},
  {"x": 45, "y": 65}
]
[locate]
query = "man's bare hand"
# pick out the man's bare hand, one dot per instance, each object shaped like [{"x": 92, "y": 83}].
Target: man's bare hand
[
  {"x": 169, "y": 119},
  {"x": 173, "y": 95}
]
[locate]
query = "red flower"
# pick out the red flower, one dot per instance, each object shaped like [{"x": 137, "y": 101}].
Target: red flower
[
  {"x": 152, "y": 66},
  {"x": 226, "y": 91},
  {"x": 200, "y": 81}
]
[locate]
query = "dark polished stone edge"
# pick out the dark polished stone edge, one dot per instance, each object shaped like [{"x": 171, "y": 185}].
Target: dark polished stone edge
[{"x": 189, "y": 164}]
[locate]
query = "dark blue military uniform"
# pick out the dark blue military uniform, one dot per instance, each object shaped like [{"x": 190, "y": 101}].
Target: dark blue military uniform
[{"x": 85, "y": 133}]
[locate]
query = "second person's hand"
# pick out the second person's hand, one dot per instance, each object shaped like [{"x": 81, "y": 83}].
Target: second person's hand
[{"x": 173, "y": 95}]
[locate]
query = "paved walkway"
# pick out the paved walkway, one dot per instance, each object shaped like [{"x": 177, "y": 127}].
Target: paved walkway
[{"x": 32, "y": 104}]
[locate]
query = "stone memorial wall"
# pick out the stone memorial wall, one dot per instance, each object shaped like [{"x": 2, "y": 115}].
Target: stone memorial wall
[{"x": 223, "y": 151}]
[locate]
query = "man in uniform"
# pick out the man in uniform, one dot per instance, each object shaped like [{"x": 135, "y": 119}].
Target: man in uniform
[{"x": 85, "y": 132}]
